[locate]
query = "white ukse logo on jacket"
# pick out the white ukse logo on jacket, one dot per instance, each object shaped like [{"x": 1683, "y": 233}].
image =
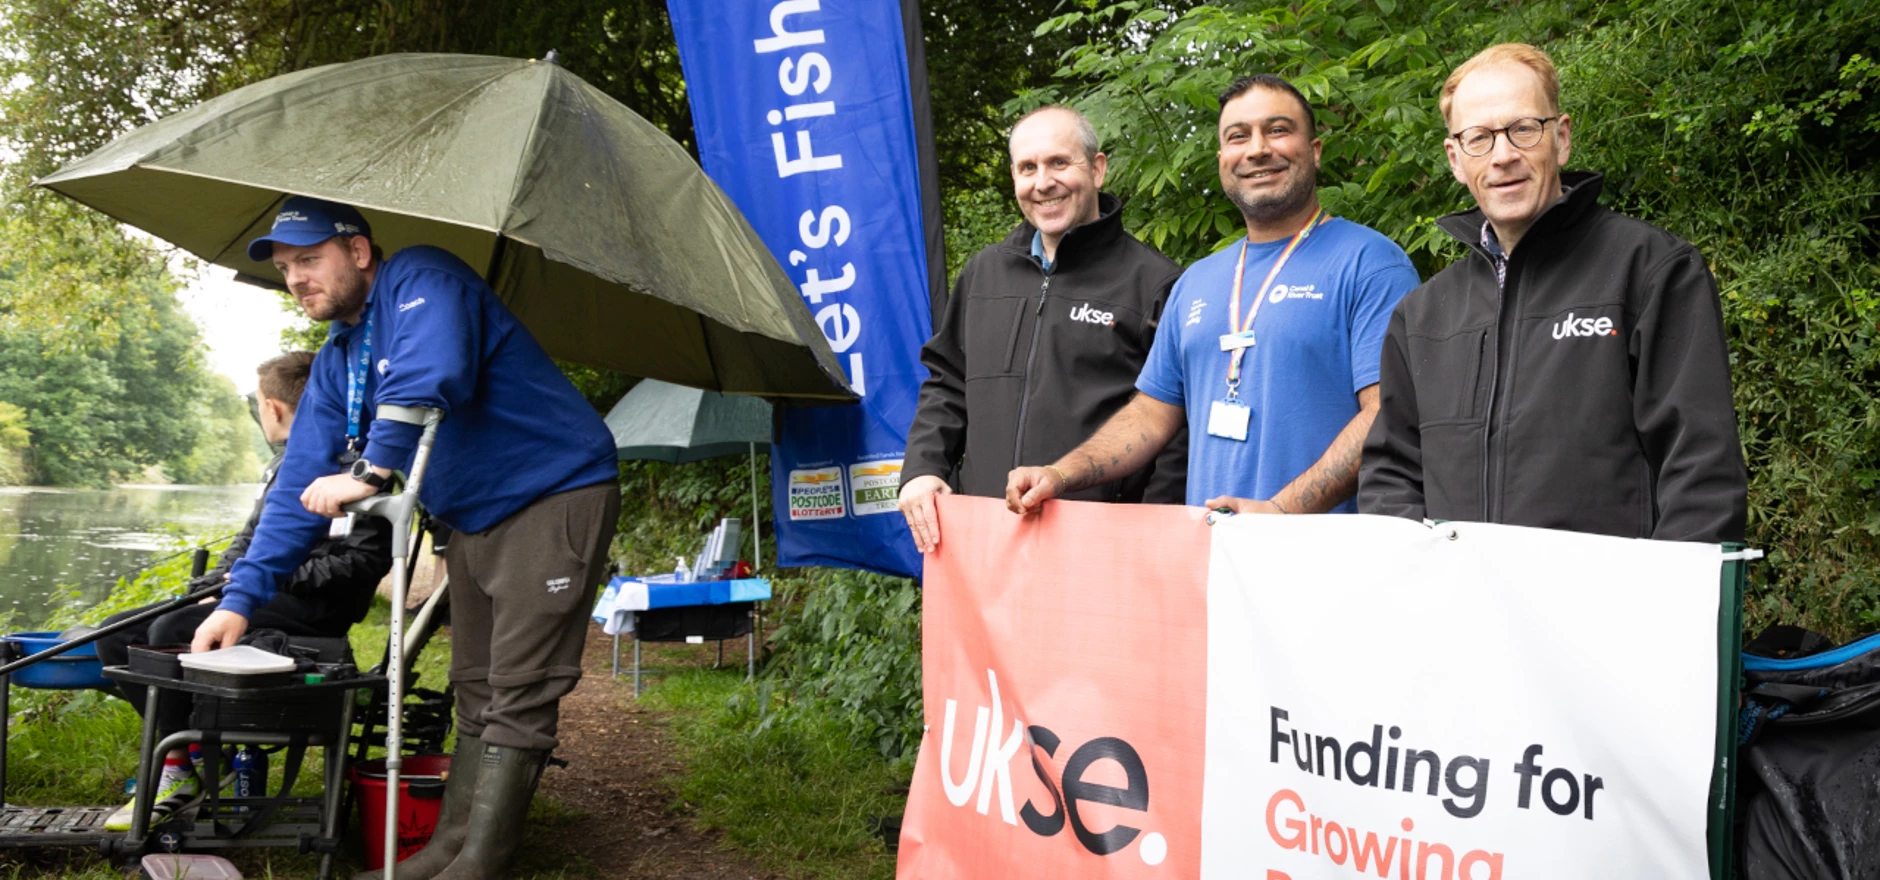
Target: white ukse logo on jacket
[
  {"x": 1569, "y": 326},
  {"x": 1089, "y": 315}
]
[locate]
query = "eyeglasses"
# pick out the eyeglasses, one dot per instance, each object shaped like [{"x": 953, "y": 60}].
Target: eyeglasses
[{"x": 1479, "y": 140}]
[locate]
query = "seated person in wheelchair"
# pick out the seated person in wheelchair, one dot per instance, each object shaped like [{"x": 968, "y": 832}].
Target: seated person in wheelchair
[{"x": 329, "y": 593}]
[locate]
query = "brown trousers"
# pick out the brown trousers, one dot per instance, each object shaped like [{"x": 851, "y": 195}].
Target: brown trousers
[{"x": 519, "y": 605}]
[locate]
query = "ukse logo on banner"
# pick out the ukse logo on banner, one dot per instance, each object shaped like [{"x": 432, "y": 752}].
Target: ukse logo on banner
[
  {"x": 1056, "y": 631},
  {"x": 1255, "y": 699}
]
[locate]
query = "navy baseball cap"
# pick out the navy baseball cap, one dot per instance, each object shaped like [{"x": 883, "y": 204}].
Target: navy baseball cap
[{"x": 304, "y": 220}]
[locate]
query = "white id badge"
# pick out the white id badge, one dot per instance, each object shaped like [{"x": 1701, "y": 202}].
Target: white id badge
[
  {"x": 1228, "y": 419},
  {"x": 343, "y": 526}
]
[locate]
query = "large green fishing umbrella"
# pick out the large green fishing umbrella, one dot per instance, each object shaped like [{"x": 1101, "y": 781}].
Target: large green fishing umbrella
[{"x": 600, "y": 233}]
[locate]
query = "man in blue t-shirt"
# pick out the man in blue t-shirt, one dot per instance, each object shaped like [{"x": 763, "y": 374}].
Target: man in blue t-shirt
[
  {"x": 523, "y": 469},
  {"x": 1268, "y": 348}
]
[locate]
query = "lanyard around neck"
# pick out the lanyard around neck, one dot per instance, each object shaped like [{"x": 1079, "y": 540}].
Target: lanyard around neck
[
  {"x": 1259, "y": 295},
  {"x": 358, "y": 369}
]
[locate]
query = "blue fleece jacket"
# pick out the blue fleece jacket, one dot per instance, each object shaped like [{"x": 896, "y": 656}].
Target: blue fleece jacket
[{"x": 514, "y": 430}]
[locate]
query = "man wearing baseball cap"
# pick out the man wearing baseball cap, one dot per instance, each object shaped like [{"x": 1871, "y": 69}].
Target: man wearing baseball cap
[{"x": 523, "y": 469}]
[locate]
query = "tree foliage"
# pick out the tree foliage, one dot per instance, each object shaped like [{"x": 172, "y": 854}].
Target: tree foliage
[
  {"x": 229, "y": 448},
  {"x": 113, "y": 410},
  {"x": 15, "y": 437}
]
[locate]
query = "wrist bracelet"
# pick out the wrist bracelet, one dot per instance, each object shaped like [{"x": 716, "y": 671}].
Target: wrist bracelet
[{"x": 1064, "y": 482}]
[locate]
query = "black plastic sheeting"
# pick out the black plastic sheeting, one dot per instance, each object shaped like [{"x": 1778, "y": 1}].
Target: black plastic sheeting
[{"x": 1809, "y": 795}]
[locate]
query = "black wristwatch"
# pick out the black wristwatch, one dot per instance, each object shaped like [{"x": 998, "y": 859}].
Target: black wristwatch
[{"x": 362, "y": 471}]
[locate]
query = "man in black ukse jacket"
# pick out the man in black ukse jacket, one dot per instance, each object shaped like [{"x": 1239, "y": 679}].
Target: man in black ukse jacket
[
  {"x": 1043, "y": 336},
  {"x": 1571, "y": 372}
]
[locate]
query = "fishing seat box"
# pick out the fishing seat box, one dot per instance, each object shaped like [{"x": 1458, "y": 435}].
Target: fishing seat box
[{"x": 247, "y": 668}]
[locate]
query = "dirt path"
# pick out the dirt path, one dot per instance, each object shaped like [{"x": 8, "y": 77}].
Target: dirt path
[{"x": 613, "y": 814}]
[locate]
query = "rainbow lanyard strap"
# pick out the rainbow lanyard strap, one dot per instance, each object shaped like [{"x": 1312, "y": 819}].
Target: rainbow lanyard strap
[{"x": 1245, "y": 330}]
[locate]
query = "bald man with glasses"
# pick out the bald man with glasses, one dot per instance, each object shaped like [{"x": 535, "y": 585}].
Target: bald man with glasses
[{"x": 1570, "y": 372}]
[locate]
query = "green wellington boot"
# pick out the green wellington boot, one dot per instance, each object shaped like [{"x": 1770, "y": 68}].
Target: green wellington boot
[
  {"x": 504, "y": 785},
  {"x": 452, "y": 817}
]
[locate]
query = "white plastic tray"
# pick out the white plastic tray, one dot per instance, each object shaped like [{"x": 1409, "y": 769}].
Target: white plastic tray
[{"x": 239, "y": 660}]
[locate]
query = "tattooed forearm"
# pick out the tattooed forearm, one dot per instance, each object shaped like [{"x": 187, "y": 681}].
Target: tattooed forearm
[
  {"x": 1110, "y": 454},
  {"x": 1334, "y": 477},
  {"x": 1330, "y": 483}
]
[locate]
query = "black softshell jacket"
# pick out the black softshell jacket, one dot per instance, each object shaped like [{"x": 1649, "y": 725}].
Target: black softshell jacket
[
  {"x": 1591, "y": 394},
  {"x": 1026, "y": 366}
]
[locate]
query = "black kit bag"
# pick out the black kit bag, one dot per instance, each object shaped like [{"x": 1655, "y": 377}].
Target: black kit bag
[{"x": 1808, "y": 793}]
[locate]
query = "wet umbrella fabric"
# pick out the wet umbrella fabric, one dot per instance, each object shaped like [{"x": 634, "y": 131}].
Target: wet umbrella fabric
[
  {"x": 659, "y": 421},
  {"x": 599, "y": 232}
]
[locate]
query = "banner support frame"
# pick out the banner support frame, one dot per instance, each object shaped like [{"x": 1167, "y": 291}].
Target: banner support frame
[{"x": 1722, "y": 834}]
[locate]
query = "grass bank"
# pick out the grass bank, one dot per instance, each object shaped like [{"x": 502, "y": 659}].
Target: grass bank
[{"x": 795, "y": 790}]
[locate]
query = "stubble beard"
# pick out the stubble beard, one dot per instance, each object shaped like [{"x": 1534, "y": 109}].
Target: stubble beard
[
  {"x": 1289, "y": 201},
  {"x": 343, "y": 298}
]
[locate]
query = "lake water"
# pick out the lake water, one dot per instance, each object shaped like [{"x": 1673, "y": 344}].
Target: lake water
[{"x": 52, "y": 540}]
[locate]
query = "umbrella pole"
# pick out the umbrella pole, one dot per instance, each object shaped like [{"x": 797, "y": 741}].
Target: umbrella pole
[
  {"x": 757, "y": 541},
  {"x": 757, "y": 564}
]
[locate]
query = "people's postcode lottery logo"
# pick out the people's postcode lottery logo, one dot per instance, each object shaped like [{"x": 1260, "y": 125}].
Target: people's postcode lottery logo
[{"x": 816, "y": 494}]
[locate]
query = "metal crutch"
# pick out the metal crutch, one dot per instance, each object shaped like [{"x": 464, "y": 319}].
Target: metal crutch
[{"x": 399, "y": 509}]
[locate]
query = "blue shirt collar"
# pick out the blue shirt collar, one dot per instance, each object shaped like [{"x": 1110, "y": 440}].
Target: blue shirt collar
[{"x": 1037, "y": 250}]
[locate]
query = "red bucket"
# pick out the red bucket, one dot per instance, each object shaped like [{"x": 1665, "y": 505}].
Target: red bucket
[{"x": 420, "y": 796}]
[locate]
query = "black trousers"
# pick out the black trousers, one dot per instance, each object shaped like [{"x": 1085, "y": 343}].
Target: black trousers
[{"x": 288, "y": 613}]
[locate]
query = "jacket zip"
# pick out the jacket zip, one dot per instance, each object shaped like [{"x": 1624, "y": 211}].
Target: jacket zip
[
  {"x": 1024, "y": 397},
  {"x": 1494, "y": 391}
]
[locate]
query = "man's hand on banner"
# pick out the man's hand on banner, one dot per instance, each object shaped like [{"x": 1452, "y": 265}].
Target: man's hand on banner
[
  {"x": 923, "y": 516},
  {"x": 1243, "y": 505},
  {"x": 1028, "y": 488}
]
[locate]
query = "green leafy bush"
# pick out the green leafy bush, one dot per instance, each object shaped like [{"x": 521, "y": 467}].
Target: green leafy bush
[{"x": 850, "y": 641}]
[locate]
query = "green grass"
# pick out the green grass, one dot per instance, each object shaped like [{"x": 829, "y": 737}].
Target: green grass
[
  {"x": 800, "y": 793},
  {"x": 75, "y": 750}
]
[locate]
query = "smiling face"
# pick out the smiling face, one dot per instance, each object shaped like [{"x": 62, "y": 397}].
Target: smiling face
[
  {"x": 1269, "y": 160},
  {"x": 1055, "y": 180},
  {"x": 328, "y": 279},
  {"x": 1512, "y": 186}
]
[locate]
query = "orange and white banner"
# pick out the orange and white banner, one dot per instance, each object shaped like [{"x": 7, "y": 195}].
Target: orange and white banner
[{"x": 1128, "y": 691}]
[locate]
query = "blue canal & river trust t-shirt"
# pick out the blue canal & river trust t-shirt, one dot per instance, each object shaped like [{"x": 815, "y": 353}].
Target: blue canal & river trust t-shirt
[{"x": 1319, "y": 333}]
